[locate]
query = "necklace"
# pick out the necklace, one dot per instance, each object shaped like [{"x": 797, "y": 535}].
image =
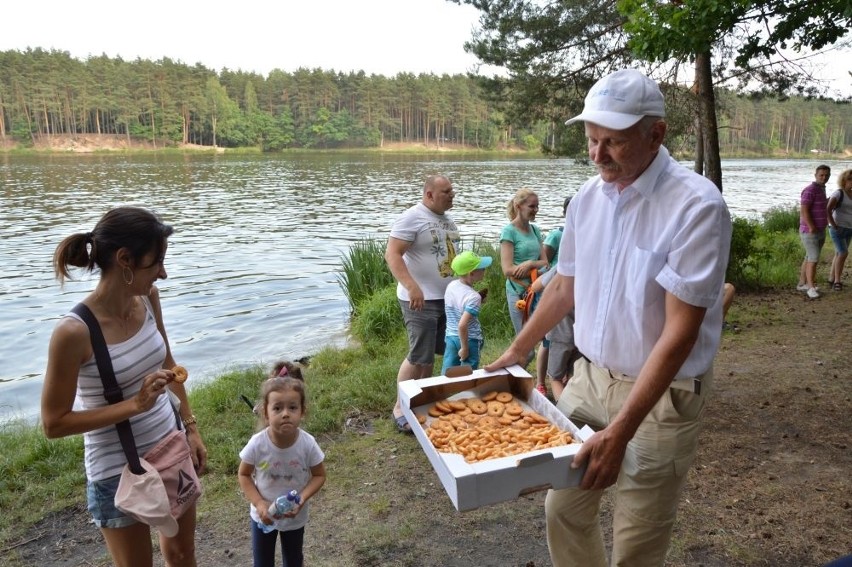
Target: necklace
[{"x": 122, "y": 319}]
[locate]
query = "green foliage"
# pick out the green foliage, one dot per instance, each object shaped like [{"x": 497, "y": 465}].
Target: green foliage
[
  {"x": 379, "y": 316},
  {"x": 364, "y": 272},
  {"x": 31, "y": 466},
  {"x": 167, "y": 102},
  {"x": 766, "y": 254},
  {"x": 780, "y": 219},
  {"x": 743, "y": 253}
]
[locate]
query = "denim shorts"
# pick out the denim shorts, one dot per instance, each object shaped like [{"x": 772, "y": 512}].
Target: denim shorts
[
  {"x": 841, "y": 238},
  {"x": 813, "y": 244},
  {"x": 100, "y": 495}
]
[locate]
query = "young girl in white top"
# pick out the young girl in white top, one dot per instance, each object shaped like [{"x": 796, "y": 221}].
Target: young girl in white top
[{"x": 279, "y": 458}]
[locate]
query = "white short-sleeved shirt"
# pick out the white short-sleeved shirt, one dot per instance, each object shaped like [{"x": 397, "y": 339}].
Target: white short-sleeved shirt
[
  {"x": 435, "y": 241},
  {"x": 668, "y": 231},
  {"x": 459, "y": 298},
  {"x": 278, "y": 471}
]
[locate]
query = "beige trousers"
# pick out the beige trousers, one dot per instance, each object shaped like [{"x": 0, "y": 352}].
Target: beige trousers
[{"x": 648, "y": 487}]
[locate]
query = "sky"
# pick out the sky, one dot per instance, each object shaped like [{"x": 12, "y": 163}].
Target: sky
[
  {"x": 383, "y": 37},
  {"x": 377, "y": 36}
]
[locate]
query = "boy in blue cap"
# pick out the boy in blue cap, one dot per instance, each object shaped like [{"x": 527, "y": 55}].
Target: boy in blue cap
[{"x": 464, "y": 338}]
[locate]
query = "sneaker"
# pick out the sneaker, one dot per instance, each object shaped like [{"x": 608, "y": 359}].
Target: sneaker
[
  {"x": 541, "y": 389},
  {"x": 813, "y": 293},
  {"x": 802, "y": 287}
]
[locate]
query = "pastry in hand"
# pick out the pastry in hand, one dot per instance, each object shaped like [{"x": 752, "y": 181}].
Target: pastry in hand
[{"x": 180, "y": 374}]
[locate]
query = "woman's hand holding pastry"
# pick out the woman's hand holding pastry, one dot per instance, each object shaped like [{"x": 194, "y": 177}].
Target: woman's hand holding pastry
[{"x": 153, "y": 386}]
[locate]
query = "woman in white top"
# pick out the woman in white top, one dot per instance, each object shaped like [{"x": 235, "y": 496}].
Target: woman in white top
[{"x": 128, "y": 246}]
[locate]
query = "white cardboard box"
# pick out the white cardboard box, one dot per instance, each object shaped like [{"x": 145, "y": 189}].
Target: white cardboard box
[{"x": 472, "y": 485}]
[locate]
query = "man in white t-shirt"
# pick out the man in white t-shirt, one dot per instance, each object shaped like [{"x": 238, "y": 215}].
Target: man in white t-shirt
[
  {"x": 643, "y": 256},
  {"x": 422, "y": 244}
]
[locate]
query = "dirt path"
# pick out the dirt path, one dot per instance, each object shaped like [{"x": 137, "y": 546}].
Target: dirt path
[{"x": 771, "y": 485}]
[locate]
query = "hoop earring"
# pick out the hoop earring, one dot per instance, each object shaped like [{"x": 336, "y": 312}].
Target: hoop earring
[{"x": 124, "y": 275}]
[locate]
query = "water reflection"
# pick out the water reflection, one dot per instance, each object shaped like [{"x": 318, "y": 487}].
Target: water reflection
[{"x": 254, "y": 259}]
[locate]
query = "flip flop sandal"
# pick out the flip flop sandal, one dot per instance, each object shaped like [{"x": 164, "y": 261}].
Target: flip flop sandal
[{"x": 402, "y": 424}]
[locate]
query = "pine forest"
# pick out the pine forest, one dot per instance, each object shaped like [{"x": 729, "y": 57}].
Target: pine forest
[{"x": 167, "y": 103}]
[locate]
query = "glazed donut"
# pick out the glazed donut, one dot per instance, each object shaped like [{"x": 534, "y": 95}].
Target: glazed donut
[
  {"x": 488, "y": 421},
  {"x": 514, "y": 408},
  {"x": 435, "y": 412},
  {"x": 504, "y": 397},
  {"x": 478, "y": 407},
  {"x": 180, "y": 373},
  {"x": 495, "y": 409},
  {"x": 456, "y": 405},
  {"x": 489, "y": 396}
]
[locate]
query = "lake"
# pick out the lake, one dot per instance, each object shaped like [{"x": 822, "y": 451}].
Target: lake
[{"x": 254, "y": 261}]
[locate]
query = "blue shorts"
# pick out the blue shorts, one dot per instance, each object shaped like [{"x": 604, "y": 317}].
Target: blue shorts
[
  {"x": 100, "y": 495},
  {"x": 841, "y": 238},
  {"x": 451, "y": 353}
]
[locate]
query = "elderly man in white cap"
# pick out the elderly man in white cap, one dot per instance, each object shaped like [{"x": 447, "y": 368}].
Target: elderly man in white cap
[{"x": 643, "y": 255}]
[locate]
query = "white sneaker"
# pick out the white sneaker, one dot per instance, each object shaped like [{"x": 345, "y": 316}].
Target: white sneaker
[
  {"x": 802, "y": 287},
  {"x": 813, "y": 293}
]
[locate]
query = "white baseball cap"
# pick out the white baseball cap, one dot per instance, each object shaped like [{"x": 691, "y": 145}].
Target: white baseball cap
[{"x": 620, "y": 100}]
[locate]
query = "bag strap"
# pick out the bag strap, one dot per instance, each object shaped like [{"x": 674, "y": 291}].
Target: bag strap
[{"x": 112, "y": 391}]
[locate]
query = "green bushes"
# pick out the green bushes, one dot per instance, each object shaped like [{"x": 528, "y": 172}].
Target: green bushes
[
  {"x": 779, "y": 219},
  {"x": 364, "y": 272},
  {"x": 766, "y": 254}
]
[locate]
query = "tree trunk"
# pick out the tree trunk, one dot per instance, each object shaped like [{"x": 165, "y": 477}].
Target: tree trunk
[{"x": 707, "y": 115}]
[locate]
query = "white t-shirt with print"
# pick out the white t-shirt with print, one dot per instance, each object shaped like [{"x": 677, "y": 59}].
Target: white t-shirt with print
[
  {"x": 278, "y": 471},
  {"x": 435, "y": 241}
]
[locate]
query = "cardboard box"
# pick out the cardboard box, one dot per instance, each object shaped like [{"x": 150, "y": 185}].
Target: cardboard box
[{"x": 472, "y": 485}]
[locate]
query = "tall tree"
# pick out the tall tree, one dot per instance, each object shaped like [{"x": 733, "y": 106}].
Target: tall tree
[
  {"x": 752, "y": 32},
  {"x": 554, "y": 50}
]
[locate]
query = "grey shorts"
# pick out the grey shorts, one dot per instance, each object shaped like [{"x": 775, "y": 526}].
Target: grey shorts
[
  {"x": 560, "y": 360},
  {"x": 426, "y": 330},
  {"x": 813, "y": 245}
]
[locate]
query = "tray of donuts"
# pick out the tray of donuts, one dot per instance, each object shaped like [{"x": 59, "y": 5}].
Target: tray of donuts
[{"x": 490, "y": 436}]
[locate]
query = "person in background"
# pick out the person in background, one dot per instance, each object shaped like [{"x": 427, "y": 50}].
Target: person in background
[
  {"x": 279, "y": 458},
  {"x": 422, "y": 244},
  {"x": 128, "y": 247},
  {"x": 464, "y": 339},
  {"x": 561, "y": 353},
  {"x": 840, "y": 227},
  {"x": 813, "y": 218},
  {"x": 522, "y": 256},
  {"x": 642, "y": 261},
  {"x": 728, "y": 292},
  {"x": 542, "y": 359}
]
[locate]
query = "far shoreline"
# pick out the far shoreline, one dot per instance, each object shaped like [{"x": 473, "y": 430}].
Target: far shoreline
[{"x": 111, "y": 144}]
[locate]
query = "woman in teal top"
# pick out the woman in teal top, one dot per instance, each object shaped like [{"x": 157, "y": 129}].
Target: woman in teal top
[{"x": 521, "y": 251}]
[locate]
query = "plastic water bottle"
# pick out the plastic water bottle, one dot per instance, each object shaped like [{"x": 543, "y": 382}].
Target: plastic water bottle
[{"x": 279, "y": 507}]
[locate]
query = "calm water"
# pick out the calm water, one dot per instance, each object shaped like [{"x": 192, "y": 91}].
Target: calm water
[{"x": 254, "y": 261}]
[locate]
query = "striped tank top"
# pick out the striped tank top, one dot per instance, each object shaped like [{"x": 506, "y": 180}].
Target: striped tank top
[{"x": 132, "y": 360}]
